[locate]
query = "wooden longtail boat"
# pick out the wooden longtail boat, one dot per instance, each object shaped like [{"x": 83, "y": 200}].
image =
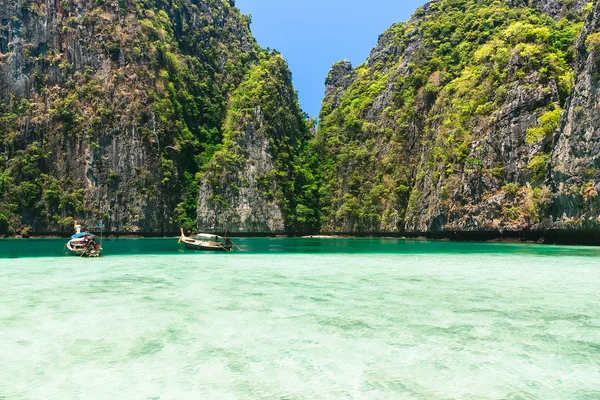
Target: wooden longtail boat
[
  {"x": 83, "y": 244},
  {"x": 207, "y": 242}
]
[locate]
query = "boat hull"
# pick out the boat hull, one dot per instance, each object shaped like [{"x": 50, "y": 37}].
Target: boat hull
[
  {"x": 204, "y": 248},
  {"x": 79, "y": 248},
  {"x": 203, "y": 245},
  {"x": 206, "y": 242},
  {"x": 90, "y": 254}
]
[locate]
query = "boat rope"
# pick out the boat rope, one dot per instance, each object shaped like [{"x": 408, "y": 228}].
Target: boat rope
[{"x": 238, "y": 247}]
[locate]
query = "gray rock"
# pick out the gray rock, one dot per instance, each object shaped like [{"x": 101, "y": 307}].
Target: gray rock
[{"x": 576, "y": 155}]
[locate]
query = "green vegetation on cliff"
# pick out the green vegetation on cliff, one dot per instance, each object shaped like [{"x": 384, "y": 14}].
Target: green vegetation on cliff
[
  {"x": 264, "y": 158},
  {"x": 151, "y": 115},
  {"x": 449, "y": 109},
  {"x": 116, "y": 110}
]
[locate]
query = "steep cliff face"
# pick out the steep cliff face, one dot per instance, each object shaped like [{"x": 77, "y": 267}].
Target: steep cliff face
[
  {"x": 259, "y": 181},
  {"x": 449, "y": 123},
  {"x": 111, "y": 110},
  {"x": 337, "y": 82},
  {"x": 576, "y": 154}
]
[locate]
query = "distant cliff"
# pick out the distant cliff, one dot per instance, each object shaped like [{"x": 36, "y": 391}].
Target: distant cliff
[
  {"x": 261, "y": 179},
  {"x": 113, "y": 110},
  {"x": 469, "y": 117}
]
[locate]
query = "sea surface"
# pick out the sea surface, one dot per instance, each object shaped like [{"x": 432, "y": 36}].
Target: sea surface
[{"x": 300, "y": 318}]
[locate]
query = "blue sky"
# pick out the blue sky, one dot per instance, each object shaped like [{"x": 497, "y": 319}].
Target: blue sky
[{"x": 313, "y": 34}]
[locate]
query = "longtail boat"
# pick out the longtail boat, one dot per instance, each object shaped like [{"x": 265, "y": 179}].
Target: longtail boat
[
  {"x": 207, "y": 242},
  {"x": 83, "y": 244}
]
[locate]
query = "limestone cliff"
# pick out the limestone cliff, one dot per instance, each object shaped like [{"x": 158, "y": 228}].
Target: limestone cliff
[
  {"x": 259, "y": 182},
  {"x": 472, "y": 116},
  {"x": 576, "y": 149},
  {"x": 448, "y": 126},
  {"x": 111, "y": 110}
]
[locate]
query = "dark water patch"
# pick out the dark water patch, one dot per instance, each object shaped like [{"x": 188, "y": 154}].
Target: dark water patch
[
  {"x": 144, "y": 348},
  {"x": 319, "y": 299},
  {"x": 10, "y": 321},
  {"x": 589, "y": 348},
  {"x": 34, "y": 302},
  {"x": 488, "y": 312},
  {"x": 575, "y": 318},
  {"x": 346, "y": 326},
  {"x": 231, "y": 306},
  {"x": 177, "y": 335},
  {"x": 587, "y": 394}
]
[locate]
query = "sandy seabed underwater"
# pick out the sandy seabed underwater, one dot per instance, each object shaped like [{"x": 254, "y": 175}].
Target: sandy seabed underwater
[{"x": 300, "y": 319}]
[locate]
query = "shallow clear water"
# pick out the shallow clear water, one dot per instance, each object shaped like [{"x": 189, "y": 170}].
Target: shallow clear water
[{"x": 301, "y": 319}]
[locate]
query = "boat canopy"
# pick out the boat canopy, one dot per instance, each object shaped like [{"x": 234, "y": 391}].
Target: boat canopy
[
  {"x": 207, "y": 236},
  {"x": 82, "y": 234}
]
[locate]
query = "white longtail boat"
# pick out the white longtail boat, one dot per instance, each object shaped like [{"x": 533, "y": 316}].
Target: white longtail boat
[{"x": 206, "y": 241}]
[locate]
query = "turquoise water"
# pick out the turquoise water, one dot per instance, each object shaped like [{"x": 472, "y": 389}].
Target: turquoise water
[{"x": 300, "y": 319}]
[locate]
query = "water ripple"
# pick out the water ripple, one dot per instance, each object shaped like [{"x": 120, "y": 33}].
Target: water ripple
[{"x": 299, "y": 326}]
